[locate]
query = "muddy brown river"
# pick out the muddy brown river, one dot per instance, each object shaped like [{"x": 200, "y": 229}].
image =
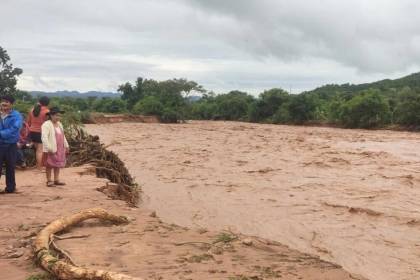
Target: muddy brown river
[{"x": 349, "y": 196}]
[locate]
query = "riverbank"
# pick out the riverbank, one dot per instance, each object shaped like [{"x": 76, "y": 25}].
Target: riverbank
[{"x": 146, "y": 247}]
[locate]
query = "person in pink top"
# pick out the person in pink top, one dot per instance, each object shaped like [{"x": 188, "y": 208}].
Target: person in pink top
[
  {"x": 36, "y": 117},
  {"x": 55, "y": 146}
]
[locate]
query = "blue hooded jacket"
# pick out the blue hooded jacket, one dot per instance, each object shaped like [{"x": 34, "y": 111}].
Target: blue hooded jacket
[{"x": 10, "y": 128}]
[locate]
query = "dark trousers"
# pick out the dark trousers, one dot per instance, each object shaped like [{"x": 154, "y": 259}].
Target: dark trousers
[
  {"x": 20, "y": 156},
  {"x": 8, "y": 157}
]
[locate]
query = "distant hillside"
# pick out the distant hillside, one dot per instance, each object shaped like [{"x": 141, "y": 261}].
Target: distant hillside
[
  {"x": 75, "y": 94},
  {"x": 194, "y": 98},
  {"x": 412, "y": 81}
]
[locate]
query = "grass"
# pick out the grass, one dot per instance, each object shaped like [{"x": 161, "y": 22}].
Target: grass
[{"x": 225, "y": 237}]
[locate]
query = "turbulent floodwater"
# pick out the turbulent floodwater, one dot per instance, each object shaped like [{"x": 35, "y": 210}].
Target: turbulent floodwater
[{"x": 349, "y": 196}]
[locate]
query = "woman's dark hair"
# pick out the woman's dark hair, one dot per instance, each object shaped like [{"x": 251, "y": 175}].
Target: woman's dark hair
[
  {"x": 43, "y": 101},
  {"x": 54, "y": 111}
]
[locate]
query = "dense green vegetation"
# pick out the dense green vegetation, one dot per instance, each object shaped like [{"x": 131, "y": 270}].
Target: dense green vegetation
[
  {"x": 346, "y": 106},
  {"x": 375, "y": 105},
  {"x": 8, "y": 73},
  {"x": 370, "y": 105}
]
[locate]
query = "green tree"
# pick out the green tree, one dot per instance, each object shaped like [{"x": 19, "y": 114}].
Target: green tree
[
  {"x": 109, "y": 105},
  {"x": 302, "y": 108},
  {"x": 267, "y": 105},
  {"x": 186, "y": 87},
  {"x": 407, "y": 110},
  {"x": 149, "y": 105},
  {"x": 335, "y": 109},
  {"x": 203, "y": 110},
  {"x": 233, "y": 106},
  {"x": 116, "y": 105},
  {"x": 132, "y": 94},
  {"x": 8, "y": 74},
  {"x": 169, "y": 115},
  {"x": 282, "y": 114},
  {"x": 168, "y": 99},
  {"x": 368, "y": 109},
  {"x": 169, "y": 93}
]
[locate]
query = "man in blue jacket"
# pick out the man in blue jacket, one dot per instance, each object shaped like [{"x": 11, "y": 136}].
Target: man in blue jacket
[{"x": 10, "y": 124}]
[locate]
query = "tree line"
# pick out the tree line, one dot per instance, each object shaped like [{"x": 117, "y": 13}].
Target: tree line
[{"x": 371, "y": 105}]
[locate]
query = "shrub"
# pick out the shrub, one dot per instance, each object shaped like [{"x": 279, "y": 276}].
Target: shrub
[
  {"x": 149, "y": 105},
  {"x": 302, "y": 108},
  {"x": 366, "y": 110},
  {"x": 407, "y": 112},
  {"x": 282, "y": 114},
  {"x": 169, "y": 116}
]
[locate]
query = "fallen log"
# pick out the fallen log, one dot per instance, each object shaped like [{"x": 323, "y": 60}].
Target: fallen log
[{"x": 64, "y": 270}]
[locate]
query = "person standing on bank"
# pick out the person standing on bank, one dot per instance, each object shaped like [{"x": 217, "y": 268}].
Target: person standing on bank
[
  {"x": 55, "y": 146},
  {"x": 10, "y": 125},
  {"x": 36, "y": 117}
]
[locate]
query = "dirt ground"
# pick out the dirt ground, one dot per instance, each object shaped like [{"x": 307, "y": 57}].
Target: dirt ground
[
  {"x": 146, "y": 247},
  {"x": 350, "y": 197}
]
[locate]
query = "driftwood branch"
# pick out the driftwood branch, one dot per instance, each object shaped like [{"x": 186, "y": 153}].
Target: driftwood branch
[
  {"x": 62, "y": 252},
  {"x": 64, "y": 270},
  {"x": 58, "y": 237}
]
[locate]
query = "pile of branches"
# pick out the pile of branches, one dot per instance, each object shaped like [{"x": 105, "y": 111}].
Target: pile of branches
[{"x": 87, "y": 149}]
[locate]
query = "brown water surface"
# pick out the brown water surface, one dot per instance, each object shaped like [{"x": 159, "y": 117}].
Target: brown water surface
[{"x": 349, "y": 196}]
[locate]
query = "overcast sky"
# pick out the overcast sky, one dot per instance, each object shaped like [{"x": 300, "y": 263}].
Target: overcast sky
[{"x": 249, "y": 45}]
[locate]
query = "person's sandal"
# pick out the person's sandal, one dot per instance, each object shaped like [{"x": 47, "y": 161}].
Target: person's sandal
[
  {"x": 59, "y": 183},
  {"x": 50, "y": 184}
]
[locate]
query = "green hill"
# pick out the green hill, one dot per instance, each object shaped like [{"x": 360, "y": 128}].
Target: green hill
[{"x": 385, "y": 86}]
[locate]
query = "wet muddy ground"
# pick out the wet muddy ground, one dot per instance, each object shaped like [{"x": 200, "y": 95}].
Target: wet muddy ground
[{"x": 146, "y": 247}]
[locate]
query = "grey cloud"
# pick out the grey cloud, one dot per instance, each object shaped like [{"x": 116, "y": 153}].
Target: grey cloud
[
  {"x": 367, "y": 35},
  {"x": 254, "y": 44}
]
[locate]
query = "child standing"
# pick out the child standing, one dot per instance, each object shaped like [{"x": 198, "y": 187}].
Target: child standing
[{"x": 55, "y": 146}]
